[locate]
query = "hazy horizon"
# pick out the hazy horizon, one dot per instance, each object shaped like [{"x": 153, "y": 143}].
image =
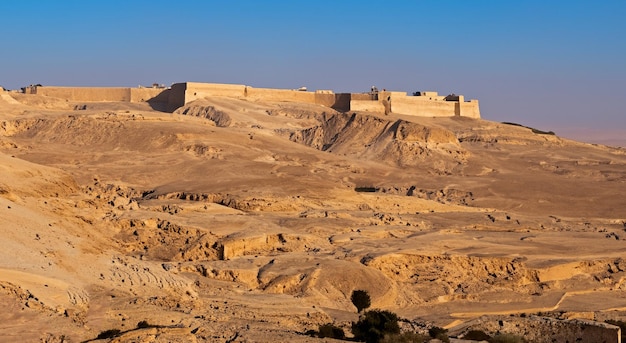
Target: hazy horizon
[{"x": 556, "y": 66}]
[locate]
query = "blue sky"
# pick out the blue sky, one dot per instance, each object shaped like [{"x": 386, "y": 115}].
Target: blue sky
[{"x": 554, "y": 65}]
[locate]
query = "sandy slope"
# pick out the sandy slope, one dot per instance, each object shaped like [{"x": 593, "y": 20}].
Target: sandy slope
[{"x": 238, "y": 220}]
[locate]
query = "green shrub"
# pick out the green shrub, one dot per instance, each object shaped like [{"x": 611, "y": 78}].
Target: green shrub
[
  {"x": 439, "y": 333},
  {"x": 330, "y": 331},
  {"x": 361, "y": 299},
  {"x": 374, "y": 325}
]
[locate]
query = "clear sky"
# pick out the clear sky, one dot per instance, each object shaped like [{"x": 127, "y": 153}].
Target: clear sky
[{"x": 554, "y": 65}]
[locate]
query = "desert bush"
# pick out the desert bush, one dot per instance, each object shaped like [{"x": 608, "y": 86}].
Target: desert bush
[
  {"x": 361, "y": 299},
  {"x": 143, "y": 324},
  {"x": 477, "y": 335},
  {"x": 439, "y": 333},
  {"x": 330, "y": 331},
  {"x": 365, "y": 189},
  {"x": 111, "y": 333},
  {"x": 374, "y": 325}
]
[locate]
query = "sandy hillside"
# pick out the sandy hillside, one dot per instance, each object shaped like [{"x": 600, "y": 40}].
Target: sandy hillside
[{"x": 239, "y": 221}]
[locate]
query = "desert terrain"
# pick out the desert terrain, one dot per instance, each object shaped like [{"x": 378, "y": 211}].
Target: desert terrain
[{"x": 239, "y": 221}]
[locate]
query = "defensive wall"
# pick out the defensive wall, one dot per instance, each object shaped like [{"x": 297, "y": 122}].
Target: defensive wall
[
  {"x": 156, "y": 97},
  {"x": 183, "y": 93},
  {"x": 427, "y": 104},
  {"x": 430, "y": 104}
]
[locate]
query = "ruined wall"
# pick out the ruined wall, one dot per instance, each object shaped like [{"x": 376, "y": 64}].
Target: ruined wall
[
  {"x": 270, "y": 94},
  {"x": 325, "y": 99},
  {"x": 401, "y": 103},
  {"x": 92, "y": 94},
  {"x": 342, "y": 102},
  {"x": 367, "y": 106},
  {"x": 182, "y": 93},
  {"x": 197, "y": 90},
  {"x": 176, "y": 96},
  {"x": 419, "y": 106},
  {"x": 157, "y": 98},
  {"x": 361, "y": 96},
  {"x": 148, "y": 94},
  {"x": 387, "y": 95},
  {"x": 431, "y": 96},
  {"x": 86, "y": 93},
  {"x": 336, "y": 101},
  {"x": 470, "y": 109}
]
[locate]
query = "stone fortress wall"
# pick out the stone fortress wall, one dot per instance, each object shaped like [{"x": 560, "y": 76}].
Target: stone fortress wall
[
  {"x": 189, "y": 91},
  {"x": 426, "y": 104},
  {"x": 437, "y": 106},
  {"x": 123, "y": 94},
  {"x": 158, "y": 98}
]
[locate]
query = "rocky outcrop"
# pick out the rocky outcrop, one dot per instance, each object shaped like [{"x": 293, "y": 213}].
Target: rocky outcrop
[
  {"x": 547, "y": 330},
  {"x": 397, "y": 142},
  {"x": 220, "y": 118}
]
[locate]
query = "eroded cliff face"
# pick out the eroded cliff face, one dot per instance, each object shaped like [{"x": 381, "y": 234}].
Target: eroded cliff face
[
  {"x": 233, "y": 220},
  {"x": 394, "y": 142}
]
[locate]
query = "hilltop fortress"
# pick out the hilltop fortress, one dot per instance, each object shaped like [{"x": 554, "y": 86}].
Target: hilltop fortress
[{"x": 425, "y": 104}]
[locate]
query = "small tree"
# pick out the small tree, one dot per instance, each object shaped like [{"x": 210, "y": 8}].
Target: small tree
[
  {"x": 439, "y": 333},
  {"x": 374, "y": 325},
  {"x": 361, "y": 299}
]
